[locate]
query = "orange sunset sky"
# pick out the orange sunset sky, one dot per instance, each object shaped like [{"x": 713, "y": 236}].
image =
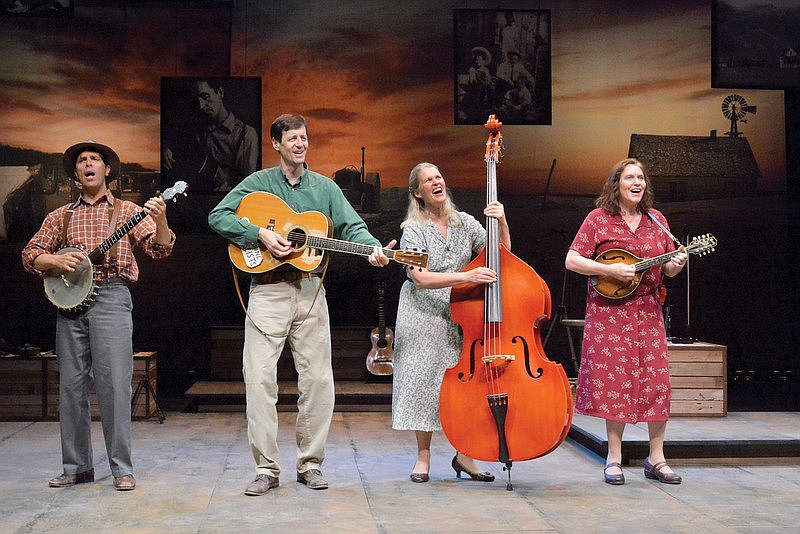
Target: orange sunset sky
[{"x": 379, "y": 74}]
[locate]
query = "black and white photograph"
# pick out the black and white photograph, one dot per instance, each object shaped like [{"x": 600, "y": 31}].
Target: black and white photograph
[
  {"x": 210, "y": 131},
  {"x": 755, "y": 44},
  {"x": 502, "y": 66}
]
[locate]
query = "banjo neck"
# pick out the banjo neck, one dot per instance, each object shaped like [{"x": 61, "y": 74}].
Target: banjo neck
[{"x": 96, "y": 256}]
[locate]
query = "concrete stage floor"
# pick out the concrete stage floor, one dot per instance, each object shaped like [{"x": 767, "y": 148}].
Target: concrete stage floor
[{"x": 192, "y": 470}]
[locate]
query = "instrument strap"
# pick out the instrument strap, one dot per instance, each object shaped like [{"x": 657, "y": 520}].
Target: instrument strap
[
  {"x": 678, "y": 243},
  {"x": 244, "y": 308},
  {"x": 67, "y": 216}
]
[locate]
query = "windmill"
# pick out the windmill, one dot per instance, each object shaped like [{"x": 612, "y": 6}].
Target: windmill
[{"x": 735, "y": 107}]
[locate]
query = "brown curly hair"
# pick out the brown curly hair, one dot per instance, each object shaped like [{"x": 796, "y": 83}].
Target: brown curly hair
[{"x": 609, "y": 196}]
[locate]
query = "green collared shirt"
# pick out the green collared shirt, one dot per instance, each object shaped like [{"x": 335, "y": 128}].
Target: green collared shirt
[{"x": 314, "y": 192}]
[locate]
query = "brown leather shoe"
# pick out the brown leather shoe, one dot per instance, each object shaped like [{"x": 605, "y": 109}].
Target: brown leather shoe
[
  {"x": 655, "y": 472},
  {"x": 70, "y": 480},
  {"x": 124, "y": 483},
  {"x": 261, "y": 485},
  {"x": 313, "y": 479}
]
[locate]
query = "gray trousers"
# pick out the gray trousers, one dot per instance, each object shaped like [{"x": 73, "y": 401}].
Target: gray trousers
[{"x": 95, "y": 348}]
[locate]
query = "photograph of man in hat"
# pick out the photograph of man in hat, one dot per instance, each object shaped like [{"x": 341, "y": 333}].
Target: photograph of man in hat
[
  {"x": 502, "y": 66},
  {"x": 512, "y": 73},
  {"x": 94, "y": 345}
]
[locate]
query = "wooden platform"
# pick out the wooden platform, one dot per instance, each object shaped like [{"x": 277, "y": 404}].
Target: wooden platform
[
  {"x": 741, "y": 437},
  {"x": 351, "y": 396}
]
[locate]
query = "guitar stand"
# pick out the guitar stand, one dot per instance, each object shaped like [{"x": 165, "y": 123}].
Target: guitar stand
[
  {"x": 561, "y": 317},
  {"x": 145, "y": 386}
]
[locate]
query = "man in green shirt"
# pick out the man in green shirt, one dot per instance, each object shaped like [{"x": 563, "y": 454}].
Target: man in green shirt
[{"x": 289, "y": 304}]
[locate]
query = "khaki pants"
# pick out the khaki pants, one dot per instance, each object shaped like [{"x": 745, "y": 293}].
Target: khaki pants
[{"x": 279, "y": 312}]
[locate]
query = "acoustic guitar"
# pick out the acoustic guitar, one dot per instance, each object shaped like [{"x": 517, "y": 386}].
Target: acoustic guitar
[
  {"x": 615, "y": 289},
  {"x": 379, "y": 359},
  {"x": 309, "y": 234},
  {"x": 75, "y": 291}
]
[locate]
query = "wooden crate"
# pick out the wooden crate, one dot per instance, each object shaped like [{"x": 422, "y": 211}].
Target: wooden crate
[
  {"x": 29, "y": 387},
  {"x": 698, "y": 372},
  {"x": 25, "y": 387}
]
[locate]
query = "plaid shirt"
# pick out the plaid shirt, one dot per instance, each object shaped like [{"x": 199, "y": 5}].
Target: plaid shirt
[{"x": 89, "y": 227}]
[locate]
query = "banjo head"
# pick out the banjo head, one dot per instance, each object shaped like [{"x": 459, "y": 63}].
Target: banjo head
[{"x": 75, "y": 290}]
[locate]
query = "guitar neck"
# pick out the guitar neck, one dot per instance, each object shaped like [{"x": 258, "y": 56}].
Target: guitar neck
[
  {"x": 97, "y": 254},
  {"x": 337, "y": 245}
]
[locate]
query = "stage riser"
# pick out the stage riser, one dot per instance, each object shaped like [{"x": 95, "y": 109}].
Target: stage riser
[{"x": 349, "y": 350}]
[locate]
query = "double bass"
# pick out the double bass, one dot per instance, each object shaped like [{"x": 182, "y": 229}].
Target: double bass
[{"x": 504, "y": 401}]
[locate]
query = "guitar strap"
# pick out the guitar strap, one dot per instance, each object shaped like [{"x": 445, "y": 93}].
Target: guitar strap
[
  {"x": 244, "y": 308},
  {"x": 677, "y": 243}
]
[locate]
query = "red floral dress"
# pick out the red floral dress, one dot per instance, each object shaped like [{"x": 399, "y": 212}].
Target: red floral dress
[{"x": 624, "y": 371}]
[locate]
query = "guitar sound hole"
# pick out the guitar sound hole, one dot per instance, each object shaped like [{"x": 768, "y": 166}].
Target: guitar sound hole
[
  {"x": 297, "y": 238},
  {"x": 382, "y": 343}
]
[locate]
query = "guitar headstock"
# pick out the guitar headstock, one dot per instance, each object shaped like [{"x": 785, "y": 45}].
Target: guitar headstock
[
  {"x": 179, "y": 188},
  {"x": 702, "y": 244},
  {"x": 411, "y": 258},
  {"x": 494, "y": 145}
]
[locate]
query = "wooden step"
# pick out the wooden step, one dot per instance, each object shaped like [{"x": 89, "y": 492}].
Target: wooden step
[{"x": 229, "y": 395}]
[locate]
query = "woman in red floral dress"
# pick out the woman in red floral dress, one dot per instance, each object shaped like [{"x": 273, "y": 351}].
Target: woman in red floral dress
[{"x": 624, "y": 372}]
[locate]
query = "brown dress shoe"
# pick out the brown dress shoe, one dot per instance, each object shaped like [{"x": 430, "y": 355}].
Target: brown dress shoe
[
  {"x": 313, "y": 479},
  {"x": 70, "y": 480},
  {"x": 124, "y": 483},
  {"x": 261, "y": 485},
  {"x": 655, "y": 472}
]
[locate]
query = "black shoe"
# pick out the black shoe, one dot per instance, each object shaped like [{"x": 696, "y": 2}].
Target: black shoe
[
  {"x": 481, "y": 477},
  {"x": 419, "y": 477},
  {"x": 614, "y": 480},
  {"x": 654, "y": 472}
]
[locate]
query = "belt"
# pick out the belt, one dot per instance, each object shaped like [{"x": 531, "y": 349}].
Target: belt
[{"x": 283, "y": 276}]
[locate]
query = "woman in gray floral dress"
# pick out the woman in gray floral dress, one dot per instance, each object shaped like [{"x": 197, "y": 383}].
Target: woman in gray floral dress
[{"x": 427, "y": 341}]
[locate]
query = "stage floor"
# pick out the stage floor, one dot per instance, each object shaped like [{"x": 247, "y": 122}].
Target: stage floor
[{"x": 192, "y": 470}]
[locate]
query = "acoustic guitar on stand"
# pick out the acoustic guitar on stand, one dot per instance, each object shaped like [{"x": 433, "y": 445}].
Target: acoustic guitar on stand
[
  {"x": 309, "y": 233},
  {"x": 612, "y": 288},
  {"x": 379, "y": 359}
]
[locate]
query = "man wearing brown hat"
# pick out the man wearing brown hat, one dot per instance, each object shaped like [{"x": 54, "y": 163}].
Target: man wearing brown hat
[{"x": 94, "y": 340}]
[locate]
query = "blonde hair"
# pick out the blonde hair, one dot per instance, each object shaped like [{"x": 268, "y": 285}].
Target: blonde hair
[{"x": 416, "y": 206}]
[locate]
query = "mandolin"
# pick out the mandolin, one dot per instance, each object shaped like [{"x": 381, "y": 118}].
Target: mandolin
[
  {"x": 379, "y": 359},
  {"x": 615, "y": 289},
  {"x": 309, "y": 232}
]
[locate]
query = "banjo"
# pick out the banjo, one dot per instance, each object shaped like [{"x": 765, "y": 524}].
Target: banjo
[{"x": 75, "y": 291}]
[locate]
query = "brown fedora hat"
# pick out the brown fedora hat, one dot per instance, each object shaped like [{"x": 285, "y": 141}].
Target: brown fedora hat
[{"x": 110, "y": 157}]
